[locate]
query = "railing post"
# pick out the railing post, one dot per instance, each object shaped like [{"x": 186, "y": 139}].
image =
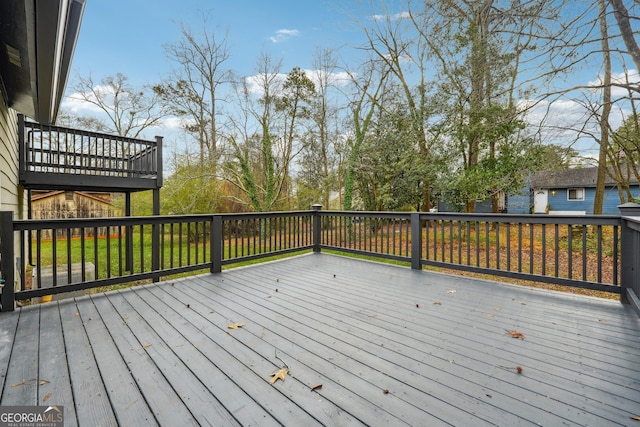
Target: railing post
[
  {"x": 158, "y": 161},
  {"x": 630, "y": 255},
  {"x": 416, "y": 241},
  {"x": 7, "y": 259},
  {"x": 316, "y": 227},
  {"x": 216, "y": 244}
]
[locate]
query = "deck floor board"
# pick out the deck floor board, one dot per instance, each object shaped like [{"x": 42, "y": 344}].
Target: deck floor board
[{"x": 389, "y": 345}]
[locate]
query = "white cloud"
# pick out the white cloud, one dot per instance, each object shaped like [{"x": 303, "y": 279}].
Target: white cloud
[
  {"x": 284, "y": 34},
  {"x": 175, "y": 123},
  {"x": 394, "y": 17},
  {"x": 255, "y": 83},
  {"x": 76, "y": 104},
  {"x": 335, "y": 79},
  {"x": 622, "y": 78}
]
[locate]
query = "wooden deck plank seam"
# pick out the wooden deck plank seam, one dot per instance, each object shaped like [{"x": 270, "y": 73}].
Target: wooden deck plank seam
[
  {"x": 194, "y": 302},
  {"x": 553, "y": 349},
  {"x": 580, "y": 408},
  {"x": 443, "y": 384}
]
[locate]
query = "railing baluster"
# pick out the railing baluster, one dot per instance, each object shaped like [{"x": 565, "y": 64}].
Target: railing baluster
[
  {"x": 570, "y": 251},
  {"x": 584, "y": 252},
  {"x": 544, "y": 249},
  {"x": 599, "y": 263}
]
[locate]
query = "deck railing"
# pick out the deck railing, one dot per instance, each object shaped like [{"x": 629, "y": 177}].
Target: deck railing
[
  {"x": 594, "y": 252},
  {"x": 47, "y": 149}
]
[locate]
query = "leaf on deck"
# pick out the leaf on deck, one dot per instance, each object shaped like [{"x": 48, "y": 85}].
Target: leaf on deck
[
  {"x": 146, "y": 346},
  {"x": 515, "y": 334},
  {"x": 437, "y": 303},
  {"x": 46, "y": 397},
  {"x": 23, "y": 382},
  {"x": 316, "y": 387},
  {"x": 452, "y": 291},
  {"x": 278, "y": 375},
  {"x": 635, "y": 418},
  {"x": 235, "y": 325}
]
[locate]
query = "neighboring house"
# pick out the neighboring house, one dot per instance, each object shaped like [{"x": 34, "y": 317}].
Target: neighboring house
[
  {"x": 446, "y": 204},
  {"x": 572, "y": 191},
  {"x": 71, "y": 204},
  {"x": 556, "y": 192}
]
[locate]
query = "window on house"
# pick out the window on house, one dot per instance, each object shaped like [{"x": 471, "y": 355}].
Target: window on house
[
  {"x": 68, "y": 195},
  {"x": 575, "y": 194}
]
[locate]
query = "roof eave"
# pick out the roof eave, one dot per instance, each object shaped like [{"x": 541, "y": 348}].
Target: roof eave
[{"x": 38, "y": 41}]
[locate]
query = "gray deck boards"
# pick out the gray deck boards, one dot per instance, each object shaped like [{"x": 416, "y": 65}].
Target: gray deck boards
[{"x": 389, "y": 345}]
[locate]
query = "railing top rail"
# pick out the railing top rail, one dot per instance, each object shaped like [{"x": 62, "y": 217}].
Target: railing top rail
[
  {"x": 367, "y": 214},
  {"x": 250, "y": 215},
  {"x": 526, "y": 218},
  {"x": 35, "y": 224},
  {"x": 40, "y": 126}
]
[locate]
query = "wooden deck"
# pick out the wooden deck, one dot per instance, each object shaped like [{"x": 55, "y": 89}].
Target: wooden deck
[{"x": 389, "y": 345}]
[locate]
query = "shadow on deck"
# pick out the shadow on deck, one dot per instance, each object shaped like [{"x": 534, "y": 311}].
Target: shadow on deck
[{"x": 389, "y": 345}]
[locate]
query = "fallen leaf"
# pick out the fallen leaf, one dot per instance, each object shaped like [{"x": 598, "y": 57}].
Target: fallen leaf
[
  {"x": 635, "y": 418},
  {"x": 43, "y": 382},
  {"x": 18, "y": 384},
  {"x": 278, "y": 375},
  {"x": 417, "y": 305},
  {"x": 385, "y": 391},
  {"x": 489, "y": 314},
  {"x": 46, "y": 397},
  {"x": 316, "y": 387},
  {"x": 146, "y": 346},
  {"x": 235, "y": 325},
  {"x": 452, "y": 291},
  {"x": 601, "y": 320},
  {"x": 519, "y": 369},
  {"x": 497, "y": 309},
  {"x": 437, "y": 303},
  {"x": 515, "y": 334}
]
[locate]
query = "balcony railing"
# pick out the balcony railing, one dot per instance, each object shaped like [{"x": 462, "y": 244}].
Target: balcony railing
[
  {"x": 54, "y": 157},
  {"x": 57, "y": 256}
]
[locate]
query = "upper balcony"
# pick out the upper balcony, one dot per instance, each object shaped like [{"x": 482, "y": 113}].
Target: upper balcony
[{"x": 59, "y": 158}]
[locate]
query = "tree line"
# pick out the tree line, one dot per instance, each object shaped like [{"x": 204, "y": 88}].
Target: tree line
[{"x": 455, "y": 97}]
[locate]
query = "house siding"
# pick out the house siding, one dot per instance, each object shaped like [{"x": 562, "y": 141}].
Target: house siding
[
  {"x": 560, "y": 202},
  {"x": 11, "y": 193}
]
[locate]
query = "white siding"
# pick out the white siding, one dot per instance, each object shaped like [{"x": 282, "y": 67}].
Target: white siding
[{"x": 11, "y": 193}]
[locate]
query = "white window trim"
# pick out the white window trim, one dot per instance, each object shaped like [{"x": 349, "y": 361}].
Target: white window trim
[{"x": 577, "y": 189}]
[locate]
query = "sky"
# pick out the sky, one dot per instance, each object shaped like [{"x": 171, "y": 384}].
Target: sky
[{"x": 128, "y": 36}]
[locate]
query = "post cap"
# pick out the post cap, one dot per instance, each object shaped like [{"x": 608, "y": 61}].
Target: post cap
[
  {"x": 629, "y": 209},
  {"x": 316, "y": 206}
]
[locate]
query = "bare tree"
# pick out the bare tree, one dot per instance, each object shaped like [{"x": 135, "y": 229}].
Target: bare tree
[
  {"x": 192, "y": 90},
  {"x": 129, "y": 110}
]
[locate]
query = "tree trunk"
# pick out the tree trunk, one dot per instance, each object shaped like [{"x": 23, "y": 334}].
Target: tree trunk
[{"x": 598, "y": 201}]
